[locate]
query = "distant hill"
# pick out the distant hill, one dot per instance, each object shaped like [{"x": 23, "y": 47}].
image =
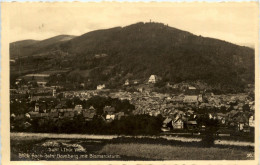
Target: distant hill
[
  {"x": 139, "y": 50},
  {"x": 29, "y": 47},
  {"x": 22, "y": 43}
]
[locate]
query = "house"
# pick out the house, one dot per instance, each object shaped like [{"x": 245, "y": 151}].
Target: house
[
  {"x": 91, "y": 108},
  {"x": 241, "y": 122},
  {"x": 252, "y": 107},
  {"x": 190, "y": 112},
  {"x": 54, "y": 93},
  {"x": 177, "y": 123},
  {"x": 191, "y": 88},
  {"x": 233, "y": 114},
  {"x": 200, "y": 98},
  {"x": 246, "y": 128},
  {"x": 166, "y": 122},
  {"x": 109, "y": 110},
  {"x": 153, "y": 79},
  {"x": 42, "y": 83},
  {"x": 12, "y": 115},
  {"x": 191, "y": 125},
  {"x": 82, "y": 85},
  {"x": 251, "y": 121},
  {"x": 220, "y": 116},
  {"x": 140, "y": 89},
  {"x": 26, "y": 124},
  {"x": 37, "y": 98},
  {"x": 165, "y": 129},
  {"x": 177, "y": 99},
  {"x": 190, "y": 99},
  {"x": 127, "y": 82},
  {"x": 36, "y": 107},
  {"x": 205, "y": 105},
  {"x": 18, "y": 81},
  {"x": 88, "y": 115},
  {"x": 110, "y": 117},
  {"x": 135, "y": 82},
  {"x": 99, "y": 87},
  {"x": 119, "y": 115},
  {"x": 78, "y": 108}
]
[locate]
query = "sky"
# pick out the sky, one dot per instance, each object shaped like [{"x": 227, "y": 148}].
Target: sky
[{"x": 232, "y": 22}]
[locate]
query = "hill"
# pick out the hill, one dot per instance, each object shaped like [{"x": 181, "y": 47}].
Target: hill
[
  {"x": 139, "y": 50},
  {"x": 31, "y": 47}
]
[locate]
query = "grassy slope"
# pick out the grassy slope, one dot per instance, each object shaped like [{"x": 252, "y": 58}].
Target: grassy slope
[{"x": 166, "y": 152}]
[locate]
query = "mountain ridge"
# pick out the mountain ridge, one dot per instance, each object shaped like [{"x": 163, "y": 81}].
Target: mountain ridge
[{"x": 143, "y": 49}]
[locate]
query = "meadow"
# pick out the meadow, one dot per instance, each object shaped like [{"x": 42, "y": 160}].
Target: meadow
[
  {"x": 122, "y": 148},
  {"x": 167, "y": 152}
]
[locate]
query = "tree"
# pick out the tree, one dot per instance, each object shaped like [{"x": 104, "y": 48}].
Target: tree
[{"x": 212, "y": 127}]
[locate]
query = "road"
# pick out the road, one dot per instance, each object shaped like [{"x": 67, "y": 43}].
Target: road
[{"x": 26, "y": 135}]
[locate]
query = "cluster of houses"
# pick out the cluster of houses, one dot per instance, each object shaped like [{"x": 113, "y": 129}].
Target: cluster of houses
[
  {"x": 180, "y": 120},
  {"x": 82, "y": 95},
  {"x": 238, "y": 109},
  {"x": 177, "y": 109},
  {"x": 60, "y": 111}
]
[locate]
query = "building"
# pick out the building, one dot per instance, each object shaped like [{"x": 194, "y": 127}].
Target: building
[
  {"x": 78, "y": 108},
  {"x": 109, "y": 110},
  {"x": 110, "y": 117},
  {"x": 153, "y": 79},
  {"x": 119, "y": 115},
  {"x": 191, "y": 125},
  {"x": 36, "y": 107},
  {"x": 54, "y": 93},
  {"x": 136, "y": 82},
  {"x": 166, "y": 122},
  {"x": 126, "y": 82},
  {"x": 177, "y": 123},
  {"x": 99, "y": 87},
  {"x": 241, "y": 122},
  {"x": 200, "y": 98},
  {"x": 190, "y": 99},
  {"x": 89, "y": 114},
  {"x": 41, "y": 83},
  {"x": 251, "y": 121},
  {"x": 191, "y": 88}
]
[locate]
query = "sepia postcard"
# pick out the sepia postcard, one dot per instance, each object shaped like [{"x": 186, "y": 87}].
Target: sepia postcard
[{"x": 129, "y": 83}]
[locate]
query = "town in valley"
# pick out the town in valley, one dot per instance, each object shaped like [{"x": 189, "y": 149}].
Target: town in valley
[{"x": 119, "y": 93}]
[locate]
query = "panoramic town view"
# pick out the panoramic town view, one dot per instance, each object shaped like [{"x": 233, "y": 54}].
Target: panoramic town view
[{"x": 144, "y": 91}]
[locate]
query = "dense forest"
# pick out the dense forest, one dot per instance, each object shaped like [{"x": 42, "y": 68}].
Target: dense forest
[{"x": 137, "y": 51}]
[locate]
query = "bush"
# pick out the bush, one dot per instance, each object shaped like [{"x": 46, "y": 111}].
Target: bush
[{"x": 130, "y": 125}]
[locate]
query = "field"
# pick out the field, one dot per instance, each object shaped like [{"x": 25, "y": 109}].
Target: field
[
  {"x": 167, "y": 152},
  {"x": 121, "y": 148}
]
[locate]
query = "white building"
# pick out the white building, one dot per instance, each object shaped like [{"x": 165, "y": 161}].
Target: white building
[
  {"x": 110, "y": 117},
  {"x": 251, "y": 121},
  {"x": 54, "y": 93},
  {"x": 99, "y": 87},
  {"x": 192, "y": 88},
  {"x": 152, "y": 79},
  {"x": 190, "y": 99},
  {"x": 127, "y": 82}
]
